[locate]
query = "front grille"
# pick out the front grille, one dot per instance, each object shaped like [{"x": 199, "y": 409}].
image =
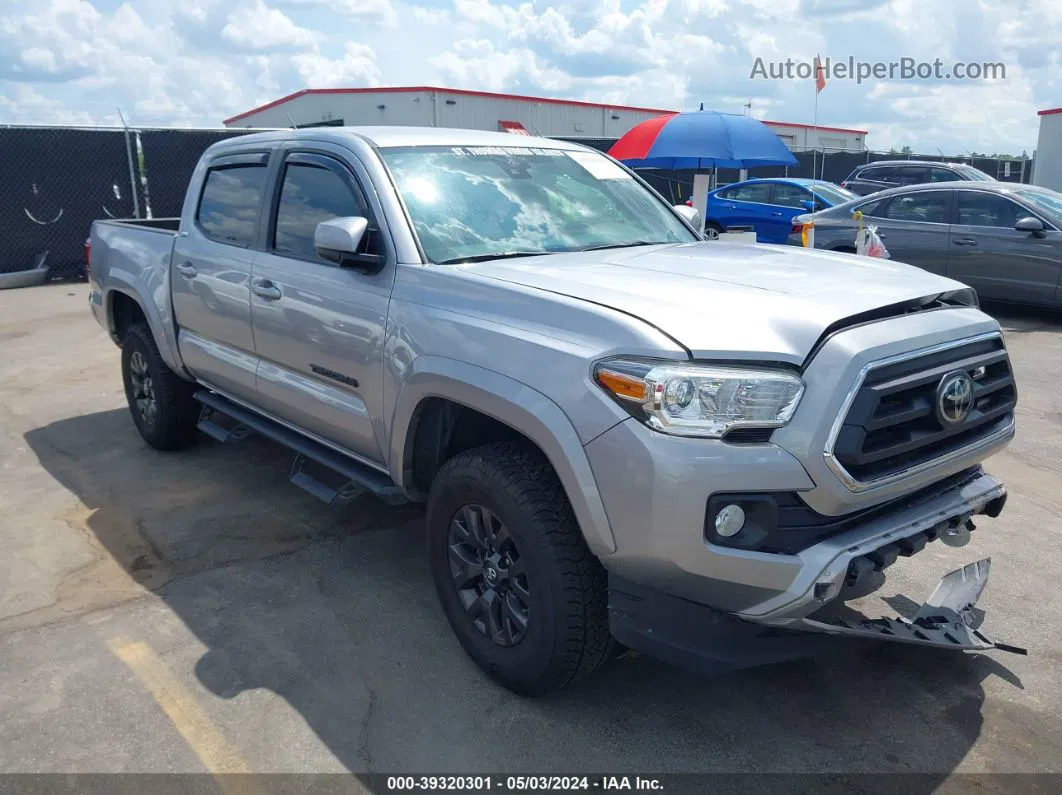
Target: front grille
[{"x": 893, "y": 424}]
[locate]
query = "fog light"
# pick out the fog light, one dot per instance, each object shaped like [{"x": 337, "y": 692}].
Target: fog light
[{"x": 729, "y": 521}]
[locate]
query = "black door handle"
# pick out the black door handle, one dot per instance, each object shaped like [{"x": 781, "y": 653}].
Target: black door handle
[{"x": 965, "y": 241}]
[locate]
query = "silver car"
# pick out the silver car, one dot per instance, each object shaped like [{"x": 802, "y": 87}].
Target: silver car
[{"x": 1002, "y": 239}]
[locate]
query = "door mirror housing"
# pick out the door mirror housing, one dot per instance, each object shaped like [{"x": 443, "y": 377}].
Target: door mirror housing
[
  {"x": 809, "y": 205},
  {"x": 1033, "y": 226},
  {"x": 338, "y": 240}
]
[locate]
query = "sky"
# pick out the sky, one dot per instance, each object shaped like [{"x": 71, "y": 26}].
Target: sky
[{"x": 191, "y": 63}]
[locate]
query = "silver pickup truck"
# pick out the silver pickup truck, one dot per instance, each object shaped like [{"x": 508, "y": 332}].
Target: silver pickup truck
[{"x": 625, "y": 435}]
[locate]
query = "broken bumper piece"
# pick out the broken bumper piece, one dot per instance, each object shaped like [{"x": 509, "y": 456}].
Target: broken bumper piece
[
  {"x": 703, "y": 639},
  {"x": 946, "y": 620}
]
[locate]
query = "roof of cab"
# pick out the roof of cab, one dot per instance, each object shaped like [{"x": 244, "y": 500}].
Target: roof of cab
[{"x": 400, "y": 136}]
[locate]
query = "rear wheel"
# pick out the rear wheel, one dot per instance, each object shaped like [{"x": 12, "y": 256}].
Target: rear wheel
[
  {"x": 160, "y": 401},
  {"x": 525, "y": 597}
]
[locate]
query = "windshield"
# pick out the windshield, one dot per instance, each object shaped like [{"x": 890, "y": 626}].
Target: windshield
[
  {"x": 479, "y": 202},
  {"x": 1047, "y": 201},
  {"x": 834, "y": 194},
  {"x": 975, "y": 174}
]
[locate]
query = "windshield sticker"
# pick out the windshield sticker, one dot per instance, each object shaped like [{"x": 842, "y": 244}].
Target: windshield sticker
[
  {"x": 598, "y": 166},
  {"x": 505, "y": 151}
]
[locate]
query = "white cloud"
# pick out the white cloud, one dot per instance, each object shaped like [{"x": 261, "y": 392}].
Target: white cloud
[
  {"x": 380, "y": 10},
  {"x": 260, "y": 27},
  {"x": 195, "y": 62},
  {"x": 356, "y": 67}
]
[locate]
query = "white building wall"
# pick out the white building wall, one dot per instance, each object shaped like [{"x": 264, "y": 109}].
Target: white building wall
[
  {"x": 446, "y": 109},
  {"x": 799, "y": 137},
  {"x": 477, "y": 112},
  {"x": 1047, "y": 168}
]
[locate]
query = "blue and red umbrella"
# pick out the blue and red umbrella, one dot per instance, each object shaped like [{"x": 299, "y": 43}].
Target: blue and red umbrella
[{"x": 702, "y": 139}]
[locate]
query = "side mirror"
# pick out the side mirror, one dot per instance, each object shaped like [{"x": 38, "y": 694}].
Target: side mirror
[
  {"x": 1034, "y": 226},
  {"x": 689, "y": 214},
  {"x": 338, "y": 240},
  {"x": 809, "y": 205}
]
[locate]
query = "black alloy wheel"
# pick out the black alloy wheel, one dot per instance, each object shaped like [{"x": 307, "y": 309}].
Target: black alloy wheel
[{"x": 489, "y": 575}]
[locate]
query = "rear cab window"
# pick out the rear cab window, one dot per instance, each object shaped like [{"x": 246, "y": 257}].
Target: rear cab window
[{"x": 231, "y": 200}]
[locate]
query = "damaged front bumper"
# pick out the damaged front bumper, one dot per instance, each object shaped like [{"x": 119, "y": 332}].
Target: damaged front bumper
[
  {"x": 803, "y": 621},
  {"x": 947, "y": 619},
  {"x": 703, "y": 639}
]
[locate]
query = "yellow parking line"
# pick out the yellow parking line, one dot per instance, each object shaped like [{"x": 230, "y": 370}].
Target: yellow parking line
[{"x": 217, "y": 754}]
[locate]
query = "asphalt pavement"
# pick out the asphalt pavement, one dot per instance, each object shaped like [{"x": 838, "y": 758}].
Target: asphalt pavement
[{"x": 195, "y": 613}]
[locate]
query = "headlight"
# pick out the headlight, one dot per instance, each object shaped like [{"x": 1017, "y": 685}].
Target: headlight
[{"x": 701, "y": 400}]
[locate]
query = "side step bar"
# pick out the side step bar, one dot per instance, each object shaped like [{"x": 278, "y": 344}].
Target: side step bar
[{"x": 314, "y": 463}]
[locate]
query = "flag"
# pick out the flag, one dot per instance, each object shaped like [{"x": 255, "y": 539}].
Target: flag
[{"x": 820, "y": 75}]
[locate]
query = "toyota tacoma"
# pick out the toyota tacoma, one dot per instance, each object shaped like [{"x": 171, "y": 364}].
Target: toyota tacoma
[{"x": 625, "y": 435}]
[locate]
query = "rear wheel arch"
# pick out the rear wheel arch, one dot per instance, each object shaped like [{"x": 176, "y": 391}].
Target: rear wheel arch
[
  {"x": 125, "y": 307},
  {"x": 123, "y": 311}
]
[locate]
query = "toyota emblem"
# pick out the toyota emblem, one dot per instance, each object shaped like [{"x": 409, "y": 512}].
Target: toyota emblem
[{"x": 955, "y": 398}]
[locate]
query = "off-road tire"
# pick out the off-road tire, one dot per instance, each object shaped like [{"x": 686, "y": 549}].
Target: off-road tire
[
  {"x": 567, "y": 636},
  {"x": 176, "y": 413}
]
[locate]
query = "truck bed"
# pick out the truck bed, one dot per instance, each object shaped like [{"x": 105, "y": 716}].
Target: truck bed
[{"x": 132, "y": 256}]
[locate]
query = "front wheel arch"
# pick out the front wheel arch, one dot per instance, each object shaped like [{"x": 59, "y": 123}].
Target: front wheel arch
[{"x": 518, "y": 408}]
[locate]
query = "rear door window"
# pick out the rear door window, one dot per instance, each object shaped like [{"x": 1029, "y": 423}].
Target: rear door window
[
  {"x": 875, "y": 174},
  {"x": 924, "y": 206},
  {"x": 230, "y": 203},
  {"x": 909, "y": 175},
  {"x": 942, "y": 175},
  {"x": 759, "y": 193}
]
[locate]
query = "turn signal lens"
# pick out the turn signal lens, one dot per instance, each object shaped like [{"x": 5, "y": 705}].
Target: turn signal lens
[{"x": 621, "y": 385}]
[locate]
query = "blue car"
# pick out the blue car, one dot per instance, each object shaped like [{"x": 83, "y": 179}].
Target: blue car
[{"x": 769, "y": 205}]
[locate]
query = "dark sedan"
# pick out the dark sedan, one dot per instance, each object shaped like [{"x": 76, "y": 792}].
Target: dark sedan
[{"x": 1000, "y": 238}]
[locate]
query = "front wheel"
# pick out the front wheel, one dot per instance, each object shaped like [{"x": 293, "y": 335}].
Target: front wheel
[
  {"x": 525, "y": 597},
  {"x": 160, "y": 401}
]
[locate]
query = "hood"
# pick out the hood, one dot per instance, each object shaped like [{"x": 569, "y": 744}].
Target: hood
[{"x": 727, "y": 300}]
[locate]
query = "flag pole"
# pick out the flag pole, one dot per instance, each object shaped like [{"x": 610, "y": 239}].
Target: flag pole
[{"x": 815, "y": 130}]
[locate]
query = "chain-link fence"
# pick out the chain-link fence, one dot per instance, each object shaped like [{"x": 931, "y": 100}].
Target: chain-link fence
[{"x": 58, "y": 180}]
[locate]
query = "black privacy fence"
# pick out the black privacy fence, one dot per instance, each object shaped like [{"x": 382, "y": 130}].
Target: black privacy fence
[{"x": 55, "y": 181}]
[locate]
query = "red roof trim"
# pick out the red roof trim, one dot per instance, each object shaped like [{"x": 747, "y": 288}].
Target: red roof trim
[
  {"x": 815, "y": 127},
  {"x": 266, "y": 106},
  {"x": 1049, "y": 112},
  {"x": 468, "y": 93}
]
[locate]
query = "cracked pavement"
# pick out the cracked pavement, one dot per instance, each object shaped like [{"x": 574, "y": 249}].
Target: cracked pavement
[{"x": 311, "y": 641}]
